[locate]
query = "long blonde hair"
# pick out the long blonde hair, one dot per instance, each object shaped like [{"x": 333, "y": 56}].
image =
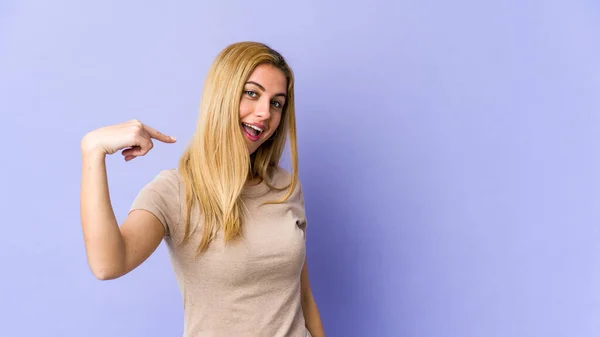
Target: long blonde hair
[{"x": 216, "y": 164}]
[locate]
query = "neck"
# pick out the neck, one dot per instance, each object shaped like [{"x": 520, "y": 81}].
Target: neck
[{"x": 253, "y": 181}]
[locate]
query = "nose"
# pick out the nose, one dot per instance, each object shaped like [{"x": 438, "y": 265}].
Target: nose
[{"x": 263, "y": 110}]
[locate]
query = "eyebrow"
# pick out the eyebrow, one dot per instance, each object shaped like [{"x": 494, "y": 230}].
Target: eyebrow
[{"x": 263, "y": 89}]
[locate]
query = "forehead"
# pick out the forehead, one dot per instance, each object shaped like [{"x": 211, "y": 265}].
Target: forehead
[{"x": 270, "y": 77}]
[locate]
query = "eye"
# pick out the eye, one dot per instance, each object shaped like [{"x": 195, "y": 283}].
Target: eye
[
  {"x": 251, "y": 93},
  {"x": 276, "y": 104}
]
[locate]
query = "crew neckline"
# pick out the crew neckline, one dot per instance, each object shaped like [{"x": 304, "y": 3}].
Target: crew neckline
[{"x": 256, "y": 188}]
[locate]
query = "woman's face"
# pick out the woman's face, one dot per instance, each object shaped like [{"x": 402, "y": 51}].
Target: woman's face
[{"x": 261, "y": 105}]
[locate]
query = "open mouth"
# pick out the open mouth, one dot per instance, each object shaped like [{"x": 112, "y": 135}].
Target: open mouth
[{"x": 252, "y": 131}]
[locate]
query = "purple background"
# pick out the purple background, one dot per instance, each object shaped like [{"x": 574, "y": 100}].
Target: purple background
[{"x": 449, "y": 153}]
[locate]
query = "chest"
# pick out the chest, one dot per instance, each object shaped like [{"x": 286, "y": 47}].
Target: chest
[{"x": 271, "y": 249}]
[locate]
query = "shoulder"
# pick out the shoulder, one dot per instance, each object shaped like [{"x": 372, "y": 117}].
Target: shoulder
[
  {"x": 167, "y": 180},
  {"x": 282, "y": 178},
  {"x": 165, "y": 187},
  {"x": 170, "y": 177}
]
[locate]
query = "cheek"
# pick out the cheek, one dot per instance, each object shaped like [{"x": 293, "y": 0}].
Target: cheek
[
  {"x": 245, "y": 108},
  {"x": 275, "y": 121}
]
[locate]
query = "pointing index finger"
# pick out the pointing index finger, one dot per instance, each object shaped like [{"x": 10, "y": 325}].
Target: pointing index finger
[{"x": 159, "y": 135}]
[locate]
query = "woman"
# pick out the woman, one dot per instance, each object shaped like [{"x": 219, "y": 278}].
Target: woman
[{"x": 233, "y": 220}]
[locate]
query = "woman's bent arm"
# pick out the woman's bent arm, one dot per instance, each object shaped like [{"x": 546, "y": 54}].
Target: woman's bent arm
[
  {"x": 112, "y": 251},
  {"x": 104, "y": 244}
]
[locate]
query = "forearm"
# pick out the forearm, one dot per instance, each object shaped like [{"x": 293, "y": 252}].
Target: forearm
[
  {"x": 103, "y": 241},
  {"x": 312, "y": 317}
]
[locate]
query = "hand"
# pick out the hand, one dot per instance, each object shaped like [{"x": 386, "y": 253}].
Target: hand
[{"x": 133, "y": 137}]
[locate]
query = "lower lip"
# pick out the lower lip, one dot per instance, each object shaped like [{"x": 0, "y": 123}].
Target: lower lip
[{"x": 249, "y": 136}]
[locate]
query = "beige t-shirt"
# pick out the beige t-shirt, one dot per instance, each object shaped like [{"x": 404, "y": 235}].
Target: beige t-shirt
[{"x": 249, "y": 287}]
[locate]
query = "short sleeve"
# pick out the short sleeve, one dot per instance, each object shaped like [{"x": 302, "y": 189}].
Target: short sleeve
[{"x": 161, "y": 198}]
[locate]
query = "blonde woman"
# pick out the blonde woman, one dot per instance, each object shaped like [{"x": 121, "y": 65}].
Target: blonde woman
[{"x": 233, "y": 220}]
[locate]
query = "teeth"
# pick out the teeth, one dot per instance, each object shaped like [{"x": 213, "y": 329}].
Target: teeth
[{"x": 254, "y": 127}]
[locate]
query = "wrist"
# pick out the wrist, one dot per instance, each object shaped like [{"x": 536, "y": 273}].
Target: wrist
[{"x": 90, "y": 149}]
